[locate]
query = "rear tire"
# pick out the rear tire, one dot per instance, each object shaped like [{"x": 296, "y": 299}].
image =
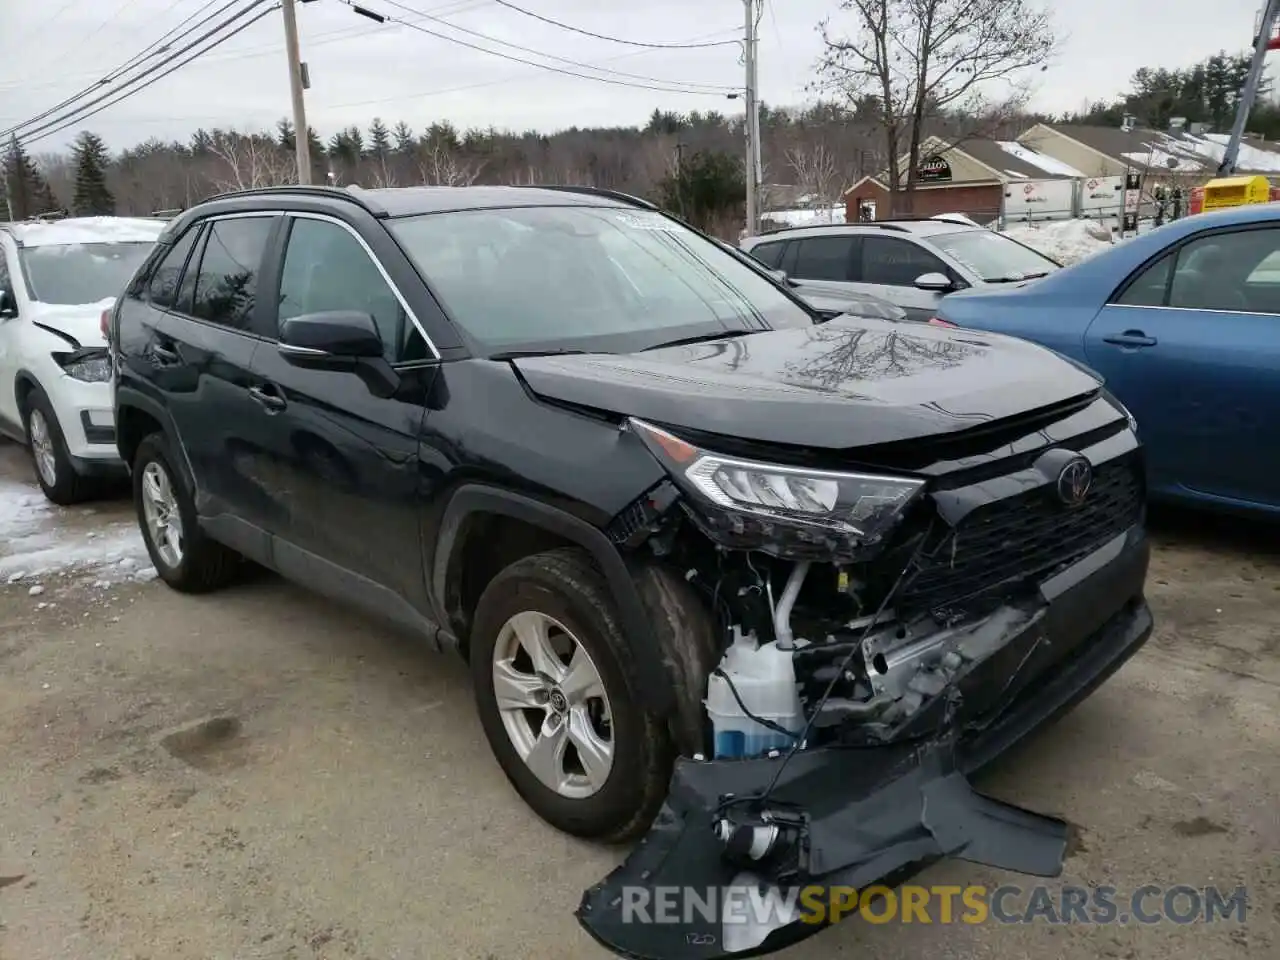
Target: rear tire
[
  {"x": 47, "y": 445},
  {"x": 563, "y": 589},
  {"x": 184, "y": 556}
]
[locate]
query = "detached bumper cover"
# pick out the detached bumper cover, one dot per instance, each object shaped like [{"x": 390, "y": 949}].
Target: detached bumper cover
[{"x": 882, "y": 814}]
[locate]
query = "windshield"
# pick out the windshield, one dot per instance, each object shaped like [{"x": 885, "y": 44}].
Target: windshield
[
  {"x": 587, "y": 278},
  {"x": 74, "y": 273},
  {"x": 992, "y": 257}
]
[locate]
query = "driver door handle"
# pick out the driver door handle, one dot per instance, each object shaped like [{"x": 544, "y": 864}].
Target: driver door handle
[
  {"x": 269, "y": 398},
  {"x": 1131, "y": 338}
]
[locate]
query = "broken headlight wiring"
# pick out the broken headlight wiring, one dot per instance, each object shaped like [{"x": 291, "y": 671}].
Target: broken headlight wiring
[{"x": 786, "y": 511}]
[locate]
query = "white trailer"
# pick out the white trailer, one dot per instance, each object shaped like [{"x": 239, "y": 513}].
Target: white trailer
[{"x": 1031, "y": 200}]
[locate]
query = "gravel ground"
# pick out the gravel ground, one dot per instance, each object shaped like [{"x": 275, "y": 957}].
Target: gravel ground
[{"x": 261, "y": 774}]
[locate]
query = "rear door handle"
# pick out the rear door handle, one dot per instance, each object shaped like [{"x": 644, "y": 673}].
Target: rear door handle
[
  {"x": 1131, "y": 338},
  {"x": 269, "y": 398},
  {"x": 165, "y": 354}
]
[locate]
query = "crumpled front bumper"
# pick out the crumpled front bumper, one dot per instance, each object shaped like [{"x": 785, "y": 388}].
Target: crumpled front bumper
[{"x": 880, "y": 814}]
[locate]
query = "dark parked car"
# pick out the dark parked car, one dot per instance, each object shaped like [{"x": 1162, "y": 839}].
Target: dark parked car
[{"x": 781, "y": 584}]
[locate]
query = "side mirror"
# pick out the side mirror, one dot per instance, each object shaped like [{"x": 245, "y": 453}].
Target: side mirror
[
  {"x": 782, "y": 278},
  {"x": 335, "y": 338},
  {"x": 8, "y": 304},
  {"x": 937, "y": 282}
]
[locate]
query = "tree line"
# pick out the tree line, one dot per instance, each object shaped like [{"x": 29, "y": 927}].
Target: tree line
[{"x": 891, "y": 74}]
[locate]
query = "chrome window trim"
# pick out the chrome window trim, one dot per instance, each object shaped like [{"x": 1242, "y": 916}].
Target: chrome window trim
[{"x": 1156, "y": 306}]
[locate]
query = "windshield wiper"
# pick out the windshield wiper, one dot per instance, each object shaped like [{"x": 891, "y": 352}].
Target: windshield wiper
[
  {"x": 1019, "y": 278},
  {"x": 549, "y": 352},
  {"x": 701, "y": 338}
]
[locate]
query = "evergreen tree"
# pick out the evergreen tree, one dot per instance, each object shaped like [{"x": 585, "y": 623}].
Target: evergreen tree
[
  {"x": 92, "y": 198},
  {"x": 29, "y": 193},
  {"x": 404, "y": 138},
  {"x": 319, "y": 161},
  {"x": 284, "y": 133},
  {"x": 379, "y": 138}
]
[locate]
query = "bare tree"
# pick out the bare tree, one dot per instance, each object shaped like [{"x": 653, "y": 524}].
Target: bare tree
[
  {"x": 926, "y": 59},
  {"x": 443, "y": 167},
  {"x": 816, "y": 171},
  {"x": 249, "y": 162}
]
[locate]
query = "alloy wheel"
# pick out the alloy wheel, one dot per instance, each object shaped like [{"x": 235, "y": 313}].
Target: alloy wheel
[
  {"x": 42, "y": 448},
  {"x": 553, "y": 704},
  {"x": 160, "y": 510}
]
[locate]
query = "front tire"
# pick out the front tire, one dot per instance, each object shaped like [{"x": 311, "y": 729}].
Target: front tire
[
  {"x": 184, "y": 557},
  {"x": 555, "y": 690},
  {"x": 47, "y": 444}
]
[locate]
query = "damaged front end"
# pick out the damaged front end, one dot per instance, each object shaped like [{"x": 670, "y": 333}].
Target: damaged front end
[{"x": 881, "y": 638}]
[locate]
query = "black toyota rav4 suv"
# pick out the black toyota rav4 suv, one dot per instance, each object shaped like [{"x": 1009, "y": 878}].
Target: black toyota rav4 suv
[{"x": 590, "y": 450}]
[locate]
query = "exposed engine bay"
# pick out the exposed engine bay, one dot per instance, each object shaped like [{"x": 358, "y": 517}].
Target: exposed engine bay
[{"x": 867, "y": 661}]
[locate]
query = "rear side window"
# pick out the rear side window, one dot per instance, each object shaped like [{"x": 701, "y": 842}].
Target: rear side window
[
  {"x": 770, "y": 254},
  {"x": 226, "y": 286},
  {"x": 163, "y": 288},
  {"x": 897, "y": 263},
  {"x": 824, "y": 258}
]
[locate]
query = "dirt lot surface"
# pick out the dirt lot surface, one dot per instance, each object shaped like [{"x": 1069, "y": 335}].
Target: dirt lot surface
[{"x": 261, "y": 774}]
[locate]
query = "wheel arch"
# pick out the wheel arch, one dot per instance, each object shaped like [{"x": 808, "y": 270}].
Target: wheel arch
[
  {"x": 137, "y": 417},
  {"x": 472, "y": 510}
]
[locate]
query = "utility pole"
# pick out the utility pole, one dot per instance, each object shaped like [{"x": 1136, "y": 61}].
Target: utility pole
[
  {"x": 1260, "y": 45},
  {"x": 301, "y": 132},
  {"x": 751, "y": 122}
]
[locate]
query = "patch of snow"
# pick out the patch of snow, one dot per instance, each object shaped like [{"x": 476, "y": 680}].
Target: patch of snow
[
  {"x": 34, "y": 544},
  {"x": 89, "y": 230},
  {"x": 1067, "y": 241},
  {"x": 1251, "y": 158},
  {"x": 36, "y": 591},
  {"x": 1157, "y": 159},
  {"x": 955, "y": 218},
  {"x": 1046, "y": 163},
  {"x": 1015, "y": 174},
  {"x": 808, "y": 217}
]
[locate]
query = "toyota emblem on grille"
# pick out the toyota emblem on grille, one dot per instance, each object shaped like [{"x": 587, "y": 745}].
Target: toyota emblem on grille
[{"x": 1074, "y": 482}]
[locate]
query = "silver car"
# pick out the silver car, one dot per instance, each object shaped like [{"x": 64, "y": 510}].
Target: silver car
[{"x": 911, "y": 263}]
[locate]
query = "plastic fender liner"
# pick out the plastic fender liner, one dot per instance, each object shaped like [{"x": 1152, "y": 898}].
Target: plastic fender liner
[
  {"x": 872, "y": 814},
  {"x": 655, "y": 683}
]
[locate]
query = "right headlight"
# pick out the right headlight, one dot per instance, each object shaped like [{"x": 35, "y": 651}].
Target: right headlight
[{"x": 763, "y": 505}]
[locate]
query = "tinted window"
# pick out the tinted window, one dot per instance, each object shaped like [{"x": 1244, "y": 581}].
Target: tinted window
[
  {"x": 227, "y": 282},
  {"x": 164, "y": 282},
  {"x": 895, "y": 262},
  {"x": 769, "y": 253},
  {"x": 993, "y": 257},
  {"x": 1228, "y": 271},
  {"x": 824, "y": 258},
  {"x": 4, "y": 272},
  {"x": 326, "y": 268},
  {"x": 1148, "y": 287},
  {"x": 81, "y": 273},
  {"x": 599, "y": 278}
]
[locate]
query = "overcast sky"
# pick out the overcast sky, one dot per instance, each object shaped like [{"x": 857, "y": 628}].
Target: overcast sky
[{"x": 50, "y": 49}]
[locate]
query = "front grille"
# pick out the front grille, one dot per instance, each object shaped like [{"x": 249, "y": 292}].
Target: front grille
[{"x": 1024, "y": 537}]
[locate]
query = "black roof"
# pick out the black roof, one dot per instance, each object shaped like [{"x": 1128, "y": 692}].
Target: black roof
[{"x": 410, "y": 201}]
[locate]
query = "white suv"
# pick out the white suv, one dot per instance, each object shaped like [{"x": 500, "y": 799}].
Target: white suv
[{"x": 56, "y": 279}]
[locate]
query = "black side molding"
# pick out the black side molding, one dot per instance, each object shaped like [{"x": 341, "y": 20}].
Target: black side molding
[{"x": 636, "y": 627}]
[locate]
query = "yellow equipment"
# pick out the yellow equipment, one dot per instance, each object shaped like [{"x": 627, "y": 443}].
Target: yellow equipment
[{"x": 1236, "y": 192}]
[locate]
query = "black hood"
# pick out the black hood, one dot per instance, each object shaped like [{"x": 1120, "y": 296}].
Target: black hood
[{"x": 835, "y": 387}]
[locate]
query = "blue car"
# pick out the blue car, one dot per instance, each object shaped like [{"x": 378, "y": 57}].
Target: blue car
[{"x": 1183, "y": 323}]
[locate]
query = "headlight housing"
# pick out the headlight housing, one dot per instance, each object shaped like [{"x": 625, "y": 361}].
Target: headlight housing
[
  {"x": 90, "y": 365},
  {"x": 1111, "y": 399},
  {"x": 784, "y": 510}
]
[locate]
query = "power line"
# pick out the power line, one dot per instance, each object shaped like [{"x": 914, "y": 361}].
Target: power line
[
  {"x": 543, "y": 66},
  {"x": 601, "y": 36},
  {"x": 79, "y": 114},
  {"x": 125, "y": 67},
  {"x": 712, "y": 87}
]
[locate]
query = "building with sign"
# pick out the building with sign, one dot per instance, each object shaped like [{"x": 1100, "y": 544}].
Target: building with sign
[{"x": 987, "y": 180}]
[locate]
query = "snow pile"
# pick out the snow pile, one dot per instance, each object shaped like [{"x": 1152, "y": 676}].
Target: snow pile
[
  {"x": 34, "y": 543},
  {"x": 1045, "y": 162},
  {"x": 1067, "y": 241},
  {"x": 89, "y": 230},
  {"x": 806, "y": 218}
]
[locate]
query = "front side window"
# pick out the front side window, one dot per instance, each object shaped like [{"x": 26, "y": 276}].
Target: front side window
[
  {"x": 896, "y": 263},
  {"x": 1228, "y": 271},
  {"x": 825, "y": 258},
  {"x": 81, "y": 273},
  {"x": 327, "y": 269},
  {"x": 1148, "y": 288},
  {"x": 226, "y": 283},
  {"x": 587, "y": 278},
  {"x": 163, "y": 289},
  {"x": 993, "y": 258},
  {"x": 770, "y": 254}
]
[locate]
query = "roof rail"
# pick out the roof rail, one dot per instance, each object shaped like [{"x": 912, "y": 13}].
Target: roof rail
[
  {"x": 595, "y": 191},
  {"x": 358, "y": 197}
]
